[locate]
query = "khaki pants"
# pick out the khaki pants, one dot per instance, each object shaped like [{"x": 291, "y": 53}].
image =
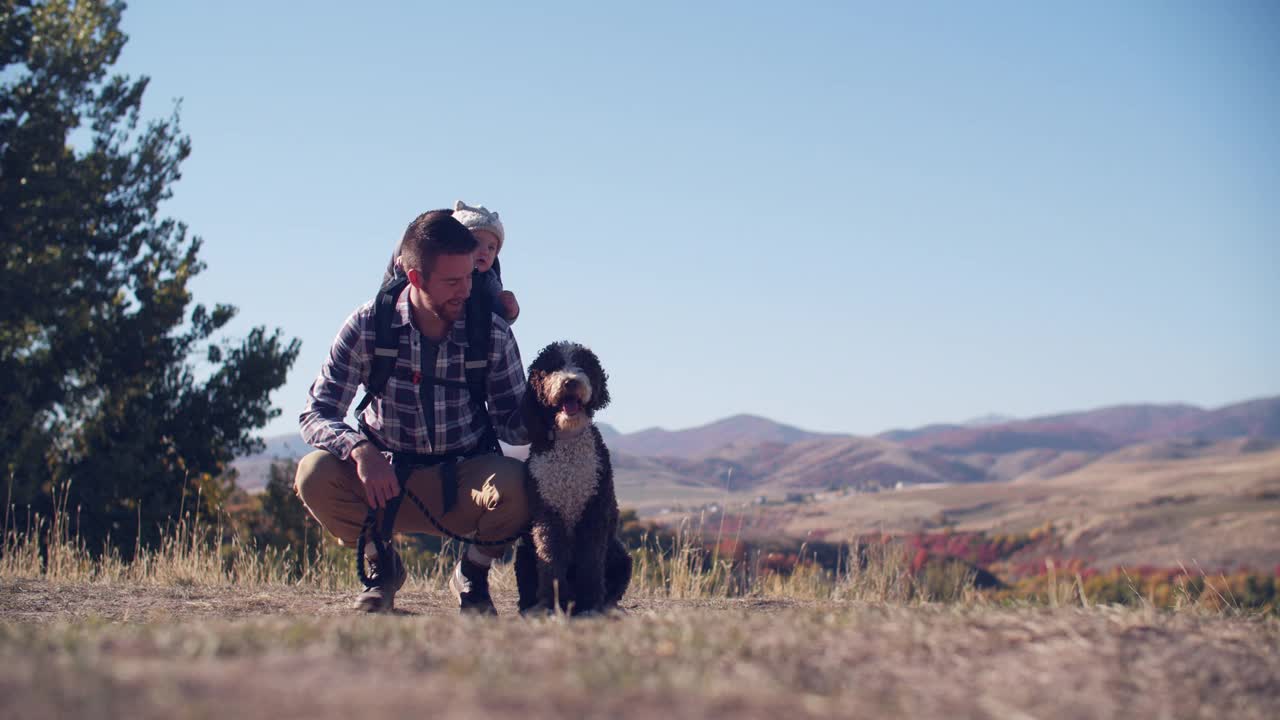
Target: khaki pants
[{"x": 491, "y": 500}]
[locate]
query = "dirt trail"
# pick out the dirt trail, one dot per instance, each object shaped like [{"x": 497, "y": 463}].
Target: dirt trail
[{"x": 199, "y": 652}]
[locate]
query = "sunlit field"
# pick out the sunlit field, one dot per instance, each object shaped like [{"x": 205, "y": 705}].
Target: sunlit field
[{"x": 204, "y": 627}]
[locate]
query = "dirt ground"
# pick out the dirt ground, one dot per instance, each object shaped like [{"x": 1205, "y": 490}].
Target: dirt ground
[{"x": 217, "y": 652}]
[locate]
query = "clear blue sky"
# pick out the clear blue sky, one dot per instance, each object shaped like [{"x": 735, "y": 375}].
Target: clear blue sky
[{"x": 841, "y": 216}]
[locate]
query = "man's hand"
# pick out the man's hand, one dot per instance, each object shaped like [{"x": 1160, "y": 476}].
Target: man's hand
[
  {"x": 375, "y": 473},
  {"x": 510, "y": 307}
]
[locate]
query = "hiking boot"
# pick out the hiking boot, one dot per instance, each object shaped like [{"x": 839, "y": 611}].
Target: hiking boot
[
  {"x": 470, "y": 582},
  {"x": 381, "y": 595}
]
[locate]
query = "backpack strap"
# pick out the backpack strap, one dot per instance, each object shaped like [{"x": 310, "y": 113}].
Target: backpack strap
[
  {"x": 479, "y": 342},
  {"x": 479, "y": 309},
  {"x": 386, "y": 341}
]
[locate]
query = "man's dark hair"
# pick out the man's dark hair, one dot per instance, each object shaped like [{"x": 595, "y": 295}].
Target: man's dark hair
[{"x": 431, "y": 235}]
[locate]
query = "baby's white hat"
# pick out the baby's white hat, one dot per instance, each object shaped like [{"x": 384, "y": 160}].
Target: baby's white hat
[{"x": 479, "y": 218}]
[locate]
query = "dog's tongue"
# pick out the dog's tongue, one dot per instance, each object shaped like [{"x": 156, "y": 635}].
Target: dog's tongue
[{"x": 571, "y": 406}]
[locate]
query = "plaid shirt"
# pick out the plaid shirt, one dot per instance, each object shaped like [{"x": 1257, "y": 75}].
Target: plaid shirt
[{"x": 396, "y": 419}]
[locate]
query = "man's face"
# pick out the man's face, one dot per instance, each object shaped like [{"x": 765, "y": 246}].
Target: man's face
[{"x": 447, "y": 287}]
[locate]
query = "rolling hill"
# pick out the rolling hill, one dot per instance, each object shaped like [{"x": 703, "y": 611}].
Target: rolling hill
[
  {"x": 748, "y": 454},
  {"x": 1101, "y": 430},
  {"x": 704, "y": 440}
]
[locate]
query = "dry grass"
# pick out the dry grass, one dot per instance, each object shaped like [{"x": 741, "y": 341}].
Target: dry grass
[
  {"x": 1219, "y": 512},
  {"x": 191, "y": 555},
  {"x": 198, "y": 628},
  {"x": 225, "y": 652}
]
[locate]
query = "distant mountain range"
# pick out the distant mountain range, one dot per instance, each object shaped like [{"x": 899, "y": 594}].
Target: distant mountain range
[
  {"x": 752, "y": 454},
  {"x": 706, "y": 439},
  {"x": 1100, "y": 430}
]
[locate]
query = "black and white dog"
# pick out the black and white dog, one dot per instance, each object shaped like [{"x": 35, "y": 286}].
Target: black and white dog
[{"x": 572, "y": 553}]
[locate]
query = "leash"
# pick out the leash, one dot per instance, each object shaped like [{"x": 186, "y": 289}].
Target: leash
[{"x": 382, "y": 538}]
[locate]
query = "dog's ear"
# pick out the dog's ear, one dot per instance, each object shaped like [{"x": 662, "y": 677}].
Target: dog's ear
[
  {"x": 532, "y": 411},
  {"x": 599, "y": 380}
]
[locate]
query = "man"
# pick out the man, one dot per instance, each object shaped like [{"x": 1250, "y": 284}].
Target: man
[{"x": 426, "y": 420}]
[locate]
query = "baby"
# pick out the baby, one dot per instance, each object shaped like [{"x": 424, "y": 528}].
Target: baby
[{"x": 486, "y": 280}]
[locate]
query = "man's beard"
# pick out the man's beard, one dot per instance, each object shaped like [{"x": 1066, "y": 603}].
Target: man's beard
[{"x": 448, "y": 312}]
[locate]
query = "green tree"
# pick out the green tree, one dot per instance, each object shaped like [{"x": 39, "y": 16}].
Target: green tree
[
  {"x": 98, "y": 332},
  {"x": 286, "y": 517}
]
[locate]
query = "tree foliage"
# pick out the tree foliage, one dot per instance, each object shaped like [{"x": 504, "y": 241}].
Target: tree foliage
[
  {"x": 286, "y": 516},
  {"x": 98, "y": 330}
]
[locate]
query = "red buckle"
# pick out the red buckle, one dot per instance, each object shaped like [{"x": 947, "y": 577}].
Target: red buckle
[{"x": 417, "y": 378}]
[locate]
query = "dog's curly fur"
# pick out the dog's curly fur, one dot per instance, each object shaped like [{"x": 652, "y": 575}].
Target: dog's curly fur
[{"x": 572, "y": 553}]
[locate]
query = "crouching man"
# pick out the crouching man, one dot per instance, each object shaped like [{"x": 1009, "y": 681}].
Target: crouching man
[{"x": 429, "y": 422}]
